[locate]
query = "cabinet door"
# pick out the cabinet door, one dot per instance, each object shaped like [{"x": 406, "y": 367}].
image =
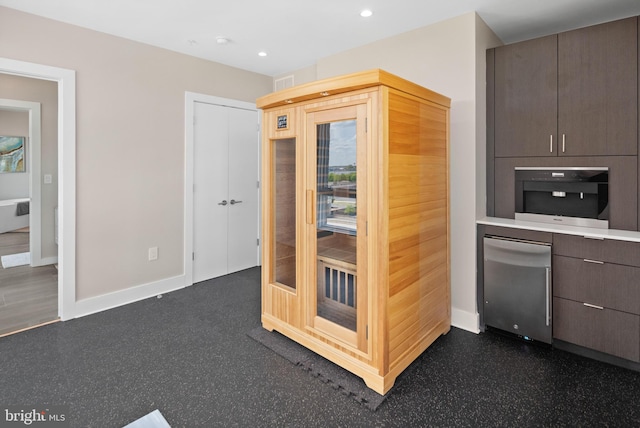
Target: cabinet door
[
  {"x": 605, "y": 250},
  {"x": 526, "y": 98},
  {"x": 597, "y": 90},
  {"x": 605, "y": 330},
  {"x": 597, "y": 283},
  {"x": 336, "y": 215}
]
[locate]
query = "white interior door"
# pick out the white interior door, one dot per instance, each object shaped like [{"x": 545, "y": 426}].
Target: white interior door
[
  {"x": 225, "y": 200},
  {"x": 210, "y": 191},
  {"x": 243, "y": 189}
]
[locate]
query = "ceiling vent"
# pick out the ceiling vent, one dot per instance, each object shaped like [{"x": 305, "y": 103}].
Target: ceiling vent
[{"x": 283, "y": 83}]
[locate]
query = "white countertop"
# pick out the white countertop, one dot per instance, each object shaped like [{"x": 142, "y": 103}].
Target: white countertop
[{"x": 622, "y": 235}]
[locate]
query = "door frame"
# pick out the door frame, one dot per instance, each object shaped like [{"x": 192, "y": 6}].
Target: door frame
[
  {"x": 66, "y": 80},
  {"x": 190, "y": 99}
]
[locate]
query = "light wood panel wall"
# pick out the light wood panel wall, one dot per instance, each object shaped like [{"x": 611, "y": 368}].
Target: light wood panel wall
[{"x": 419, "y": 299}]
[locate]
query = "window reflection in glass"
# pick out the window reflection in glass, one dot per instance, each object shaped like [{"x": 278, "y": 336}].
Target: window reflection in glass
[
  {"x": 337, "y": 172},
  {"x": 336, "y": 222}
]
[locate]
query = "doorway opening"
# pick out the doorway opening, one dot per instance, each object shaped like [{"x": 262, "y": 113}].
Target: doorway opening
[
  {"x": 66, "y": 200},
  {"x": 28, "y": 281}
]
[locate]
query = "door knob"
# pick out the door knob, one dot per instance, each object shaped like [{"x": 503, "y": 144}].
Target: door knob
[
  {"x": 224, "y": 202},
  {"x": 233, "y": 202}
]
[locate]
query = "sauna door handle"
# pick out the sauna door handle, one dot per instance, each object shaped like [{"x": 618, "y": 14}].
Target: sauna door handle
[{"x": 310, "y": 207}]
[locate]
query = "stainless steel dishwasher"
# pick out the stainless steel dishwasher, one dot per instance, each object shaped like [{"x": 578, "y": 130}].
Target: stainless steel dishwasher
[{"x": 517, "y": 287}]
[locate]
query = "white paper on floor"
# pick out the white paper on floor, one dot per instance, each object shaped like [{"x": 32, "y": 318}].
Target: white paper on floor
[
  {"x": 152, "y": 420},
  {"x": 13, "y": 260}
]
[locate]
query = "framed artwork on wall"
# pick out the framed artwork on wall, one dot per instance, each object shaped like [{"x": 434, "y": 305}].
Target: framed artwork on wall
[{"x": 12, "y": 154}]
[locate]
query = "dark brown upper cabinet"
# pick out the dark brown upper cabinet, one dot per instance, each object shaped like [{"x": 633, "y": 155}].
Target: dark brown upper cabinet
[
  {"x": 598, "y": 90},
  {"x": 571, "y": 94},
  {"x": 526, "y": 107}
]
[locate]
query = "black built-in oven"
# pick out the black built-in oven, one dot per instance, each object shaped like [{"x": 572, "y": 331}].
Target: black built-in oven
[{"x": 571, "y": 196}]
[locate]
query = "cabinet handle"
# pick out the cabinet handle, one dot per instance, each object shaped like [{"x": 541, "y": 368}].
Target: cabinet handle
[
  {"x": 562, "y": 143},
  {"x": 597, "y": 262},
  {"x": 551, "y": 143},
  {"x": 589, "y": 305},
  {"x": 310, "y": 207},
  {"x": 597, "y": 238}
]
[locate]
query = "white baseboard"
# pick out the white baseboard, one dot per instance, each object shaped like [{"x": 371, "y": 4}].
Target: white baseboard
[
  {"x": 47, "y": 261},
  {"x": 461, "y": 319},
  {"x": 119, "y": 298},
  {"x": 469, "y": 321}
]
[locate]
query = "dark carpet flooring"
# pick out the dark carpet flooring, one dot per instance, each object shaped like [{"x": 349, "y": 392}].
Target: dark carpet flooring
[{"x": 188, "y": 354}]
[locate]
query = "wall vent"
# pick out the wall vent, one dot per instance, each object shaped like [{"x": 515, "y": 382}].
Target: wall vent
[{"x": 283, "y": 83}]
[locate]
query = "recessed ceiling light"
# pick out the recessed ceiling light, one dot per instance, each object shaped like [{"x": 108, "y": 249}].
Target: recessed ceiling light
[
  {"x": 222, "y": 40},
  {"x": 366, "y": 13},
  {"x": 262, "y": 53}
]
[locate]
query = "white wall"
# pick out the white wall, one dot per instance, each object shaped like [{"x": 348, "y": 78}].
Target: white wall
[
  {"x": 130, "y": 146},
  {"x": 485, "y": 39},
  {"x": 449, "y": 58}
]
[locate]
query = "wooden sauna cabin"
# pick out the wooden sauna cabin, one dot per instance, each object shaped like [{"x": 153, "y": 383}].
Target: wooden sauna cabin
[{"x": 355, "y": 211}]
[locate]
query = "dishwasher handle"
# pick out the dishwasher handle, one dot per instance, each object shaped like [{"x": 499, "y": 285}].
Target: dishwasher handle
[{"x": 548, "y": 295}]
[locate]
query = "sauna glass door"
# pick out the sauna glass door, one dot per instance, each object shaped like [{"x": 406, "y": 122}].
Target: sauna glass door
[
  {"x": 338, "y": 175},
  {"x": 283, "y": 207}
]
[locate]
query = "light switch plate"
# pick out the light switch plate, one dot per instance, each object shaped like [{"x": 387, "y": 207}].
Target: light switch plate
[{"x": 48, "y": 179}]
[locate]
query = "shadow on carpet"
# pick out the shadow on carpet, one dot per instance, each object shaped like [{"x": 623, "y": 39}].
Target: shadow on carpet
[{"x": 329, "y": 373}]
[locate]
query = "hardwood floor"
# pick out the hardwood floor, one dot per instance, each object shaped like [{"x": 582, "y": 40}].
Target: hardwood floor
[{"x": 28, "y": 296}]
